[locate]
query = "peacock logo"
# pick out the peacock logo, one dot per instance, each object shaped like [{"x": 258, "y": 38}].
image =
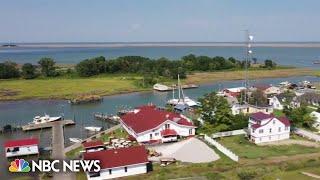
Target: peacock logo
[{"x": 19, "y": 165}]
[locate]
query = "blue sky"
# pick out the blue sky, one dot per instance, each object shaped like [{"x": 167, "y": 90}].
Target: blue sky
[{"x": 158, "y": 20}]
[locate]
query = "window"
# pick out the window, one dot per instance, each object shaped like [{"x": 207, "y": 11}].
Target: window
[
  {"x": 261, "y": 131},
  {"x": 110, "y": 171},
  {"x": 267, "y": 110},
  {"x": 270, "y": 130},
  {"x": 167, "y": 126},
  {"x": 150, "y": 136},
  {"x": 274, "y": 122},
  {"x": 279, "y": 129},
  {"x": 247, "y": 109},
  {"x": 125, "y": 169},
  {"x": 156, "y": 134},
  {"x": 190, "y": 131}
]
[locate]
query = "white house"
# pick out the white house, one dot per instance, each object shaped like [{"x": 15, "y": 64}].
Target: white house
[
  {"x": 267, "y": 89},
  {"x": 115, "y": 163},
  {"x": 275, "y": 103},
  {"x": 249, "y": 109},
  {"x": 148, "y": 124},
  {"x": 21, "y": 147},
  {"x": 266, "y": 128},
  {"x": 316, "y": 115}
]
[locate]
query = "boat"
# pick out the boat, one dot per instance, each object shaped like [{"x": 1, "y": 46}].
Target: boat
[
  {"x": 316, "y": 62},
  {"x": 161, "y": 87},
  {"x": 75, "y": 140},
  {"x": 45, "y": 119},
  {"x": 285, "y": 83},
  {"x": 93, "y": 128},
  {"x": 182, "y": 99}
]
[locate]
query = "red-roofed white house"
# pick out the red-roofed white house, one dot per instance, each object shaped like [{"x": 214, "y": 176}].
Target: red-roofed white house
[
  {"x": 149, "y": 124},
  {"x": 115, "y": 163},
  {"x": 266, "y": 128},
  {"x": 21, "y": 147}
]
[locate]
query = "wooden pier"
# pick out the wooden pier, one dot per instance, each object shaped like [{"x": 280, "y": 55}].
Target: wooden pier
[{"x": 30, "y": 127}]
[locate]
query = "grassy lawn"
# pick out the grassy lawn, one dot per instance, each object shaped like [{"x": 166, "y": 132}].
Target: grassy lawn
[
  {"x": 118, "y": 133},
  {"x": 245, "y": 149},
  {"x": 205, "y": 77},
  {"x": 221, "y": 169},
  {"x": 69, "y": 87},
  {"x": 74, "y": 153},
  {"x": 66, "y": 88}
]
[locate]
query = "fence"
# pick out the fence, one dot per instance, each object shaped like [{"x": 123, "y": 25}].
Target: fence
[
  {"x": 229, "y": 133},
  {"x": 221, "y": 148}
]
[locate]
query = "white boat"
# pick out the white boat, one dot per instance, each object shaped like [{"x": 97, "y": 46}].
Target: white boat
[
  {"x": 75, "y": 140},
  {"x": 161, "y": 87},
  {"x": 182, "y": 98},
  {"x": 93, "y": 128},
  {"x": 45, "y": 119},
  {"x": 285, "y": 83}
]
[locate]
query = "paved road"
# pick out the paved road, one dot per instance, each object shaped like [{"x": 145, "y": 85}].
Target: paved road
[
  {"x": 307, "y": 134},
  {"x": 58, "y": 150}
]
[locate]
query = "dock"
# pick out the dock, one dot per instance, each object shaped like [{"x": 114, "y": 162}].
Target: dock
[
  {"x": 58, "y": 149},
  {"x": 109, "y": 118},
  {"x": 30, "y": 127}
]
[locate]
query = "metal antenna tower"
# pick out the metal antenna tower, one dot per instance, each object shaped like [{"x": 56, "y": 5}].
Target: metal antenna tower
[{"x": 249, "y": 39}]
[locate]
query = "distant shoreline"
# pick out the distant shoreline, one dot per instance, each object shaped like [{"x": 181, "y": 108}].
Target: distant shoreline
[{"x": 162, "y": 44}]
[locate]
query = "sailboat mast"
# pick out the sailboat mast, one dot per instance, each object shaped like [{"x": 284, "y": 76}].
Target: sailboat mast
[{"x": 179, "y": 86}]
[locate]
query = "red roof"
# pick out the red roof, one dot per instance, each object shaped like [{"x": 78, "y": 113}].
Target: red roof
[
  {"x": 92, "y": 144},
  {"x": 259, "y": 116},
  {"x": 285, "y": 121},
  {"x": 169, "y": 132},
  {"x": 118, "y": 157},
  {"x": 149, "y": 117},
  {"x": 21, "y": 142}
]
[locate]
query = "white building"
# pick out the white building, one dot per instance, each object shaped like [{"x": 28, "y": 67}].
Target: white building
[
  {"x": 21, "y": 147},
  {"x": 148, "y": 124},
  {"x": 268, "y": 89},
  {"x": 275, "y": 103},
  {"x": 316, "y": 116},
  {"x": 249, "y": 109},
  {"x": 115, "y": 163},
  {"x": 266, "y": 128}
]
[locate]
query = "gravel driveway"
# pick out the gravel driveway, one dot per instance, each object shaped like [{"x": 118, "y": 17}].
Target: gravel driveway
[{"x": 191, "y": 150}]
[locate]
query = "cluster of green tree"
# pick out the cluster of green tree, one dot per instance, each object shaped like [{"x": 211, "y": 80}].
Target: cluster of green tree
[
  {"x": 131, "y": 64},
  {"x": 28, "y": 71},
  {"x": 300, "y": 117},
  {"x": 269, "y": 64},
  {"x": 217, "y": 115}
]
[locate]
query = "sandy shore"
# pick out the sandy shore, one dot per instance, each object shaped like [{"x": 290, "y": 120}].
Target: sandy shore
[{"x": 167, "y": 44}]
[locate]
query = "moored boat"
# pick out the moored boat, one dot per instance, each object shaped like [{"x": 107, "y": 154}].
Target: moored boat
[
  {"x": 45, "y": 119},
  {"x": 75, "y": 140},
  {"x": 93, "y": 128}
]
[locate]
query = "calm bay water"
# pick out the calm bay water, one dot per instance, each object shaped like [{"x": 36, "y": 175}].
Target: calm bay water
[{"x": 294, "y": 56}]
